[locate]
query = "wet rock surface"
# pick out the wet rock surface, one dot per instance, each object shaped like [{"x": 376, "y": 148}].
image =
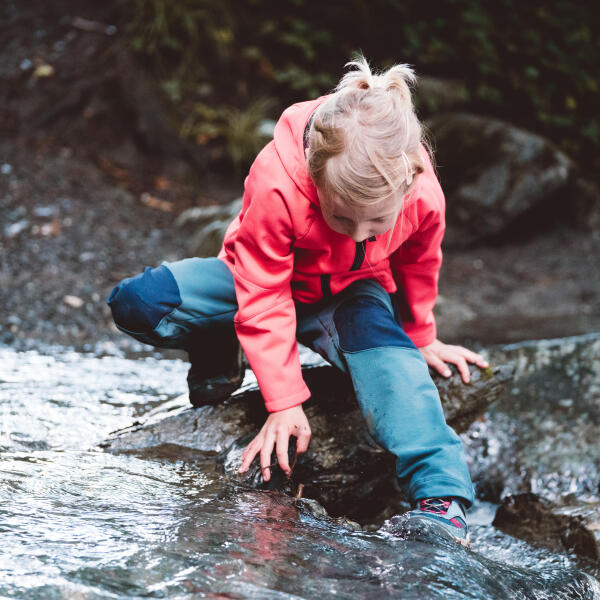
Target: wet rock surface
[
  {"x": 574, "y": 527},
  {"x": 344, "y": 469},
  {"x": 542, "y": 435}
]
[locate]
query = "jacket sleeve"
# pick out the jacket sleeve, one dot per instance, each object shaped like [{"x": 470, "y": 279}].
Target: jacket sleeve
[
  {"x": 416, "y": 266},
  {"x": 266, "y": 319}
]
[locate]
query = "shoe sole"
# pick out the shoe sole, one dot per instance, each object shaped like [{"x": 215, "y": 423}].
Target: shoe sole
[{"x": 436, "y": 528}]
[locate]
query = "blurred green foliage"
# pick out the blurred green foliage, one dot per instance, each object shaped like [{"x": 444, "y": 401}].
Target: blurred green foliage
[
  {"x": 532, "y": 63},
  {"x": 244, "y": 131}
]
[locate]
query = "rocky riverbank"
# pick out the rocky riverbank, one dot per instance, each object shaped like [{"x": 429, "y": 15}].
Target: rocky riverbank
[{"x": 82, "y": 208}]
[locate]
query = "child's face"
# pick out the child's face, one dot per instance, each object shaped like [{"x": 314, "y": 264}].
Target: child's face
[{"x": 360, "y": 222}]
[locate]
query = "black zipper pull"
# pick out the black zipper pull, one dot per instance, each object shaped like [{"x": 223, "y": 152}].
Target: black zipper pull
[{"x": 359, "y": 255}]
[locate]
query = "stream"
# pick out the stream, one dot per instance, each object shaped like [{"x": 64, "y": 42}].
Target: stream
[{"x": 79, "y": 523}]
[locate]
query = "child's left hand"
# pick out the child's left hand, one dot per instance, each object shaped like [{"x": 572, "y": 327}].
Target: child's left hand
[{"x": 437, "y": 354}]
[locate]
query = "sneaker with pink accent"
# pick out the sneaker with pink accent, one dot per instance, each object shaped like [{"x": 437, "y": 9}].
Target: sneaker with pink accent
[{"x": 445, "y": 516}]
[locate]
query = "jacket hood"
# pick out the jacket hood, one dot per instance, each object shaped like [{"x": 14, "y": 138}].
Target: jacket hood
[{"x": 289, "y": 144}]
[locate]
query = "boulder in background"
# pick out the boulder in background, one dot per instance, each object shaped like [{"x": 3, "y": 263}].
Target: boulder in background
[
  {"x": 500, "y": 180},
  {"x": 208, "y": 225}
]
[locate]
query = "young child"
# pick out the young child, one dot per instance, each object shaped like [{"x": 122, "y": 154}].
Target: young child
[{"x": 337, "y": 245}]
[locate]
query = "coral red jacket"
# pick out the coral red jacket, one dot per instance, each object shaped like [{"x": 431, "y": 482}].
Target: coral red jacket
[{"x": 280, "y": 249}]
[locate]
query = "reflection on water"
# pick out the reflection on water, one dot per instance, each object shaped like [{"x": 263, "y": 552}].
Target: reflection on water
[{"x": 78, "y": 523}]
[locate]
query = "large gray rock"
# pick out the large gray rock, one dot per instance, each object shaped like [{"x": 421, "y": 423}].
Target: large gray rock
[
  {"x": 208, "y": 225},
  {"x": 538, "y": 447},
  {"x": 572, "y": 527},
  {"x": 543, "y": 434},
  {"x": 344, "y": 469},
  {"x": 499, "y": 179}
]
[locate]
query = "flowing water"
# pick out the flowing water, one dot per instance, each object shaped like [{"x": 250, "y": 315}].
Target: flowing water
[{"x": 80, "y": 523}]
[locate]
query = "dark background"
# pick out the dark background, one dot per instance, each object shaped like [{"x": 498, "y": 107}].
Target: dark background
[{"x": 117, "y": 116}]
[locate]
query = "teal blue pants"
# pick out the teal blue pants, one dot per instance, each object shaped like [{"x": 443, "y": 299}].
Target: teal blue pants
[{"x": 191, "y": 303}]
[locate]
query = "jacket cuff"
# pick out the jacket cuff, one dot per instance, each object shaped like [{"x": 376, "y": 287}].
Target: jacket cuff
[
  {"x": 422, "y": 336},
  {"x": 288, "y": 401}
]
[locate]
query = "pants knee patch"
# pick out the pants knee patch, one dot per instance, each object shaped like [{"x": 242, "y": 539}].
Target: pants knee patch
[
  {"x": 139, "y": 303},
  {"x": 365, "y": 322}
]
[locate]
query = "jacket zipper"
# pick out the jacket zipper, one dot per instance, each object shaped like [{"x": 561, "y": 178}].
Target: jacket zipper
[
  {"x": 359, "y": 257},
  {"x": 360, "y": 253},
  {"x": 326, "y": 285}
]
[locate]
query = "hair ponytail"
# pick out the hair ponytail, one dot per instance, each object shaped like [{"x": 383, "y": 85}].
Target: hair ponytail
[
  {"x": 364, "y": 141},
  {"x": 397, "y": 79},
  {"x": 400, "y": 78},
  {"x": 360, "y": 77}
]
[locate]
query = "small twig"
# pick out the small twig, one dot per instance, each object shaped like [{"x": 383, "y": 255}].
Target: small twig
[
  {"x": 293, "y": 465},
  {"x": 299, "y": 491}
]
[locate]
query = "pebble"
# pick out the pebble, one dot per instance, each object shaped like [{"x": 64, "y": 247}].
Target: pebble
[
  {"x": 44, "y": 211},
  {"x": 14, "y": 229},
  {"x": 73, "y": 301}
]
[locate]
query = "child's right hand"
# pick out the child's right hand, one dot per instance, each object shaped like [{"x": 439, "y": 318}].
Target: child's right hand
[{"x": 276, "y": 432}]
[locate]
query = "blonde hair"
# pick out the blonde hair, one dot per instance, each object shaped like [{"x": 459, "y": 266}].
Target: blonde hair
[{"x": 363, "y": 142}]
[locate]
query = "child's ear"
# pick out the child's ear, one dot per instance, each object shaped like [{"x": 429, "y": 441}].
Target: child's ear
[{"x": 417, "y": 164}]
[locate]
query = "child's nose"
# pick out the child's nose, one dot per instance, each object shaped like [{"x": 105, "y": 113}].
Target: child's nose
[{"x": 359, "y": 233}]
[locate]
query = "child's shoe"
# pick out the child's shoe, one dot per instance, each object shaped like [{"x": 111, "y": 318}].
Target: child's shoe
[
  {"x": 211, "y": 389},
  {"x": 439, "y": 516},
  {"x": 446, "y": 516}
]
